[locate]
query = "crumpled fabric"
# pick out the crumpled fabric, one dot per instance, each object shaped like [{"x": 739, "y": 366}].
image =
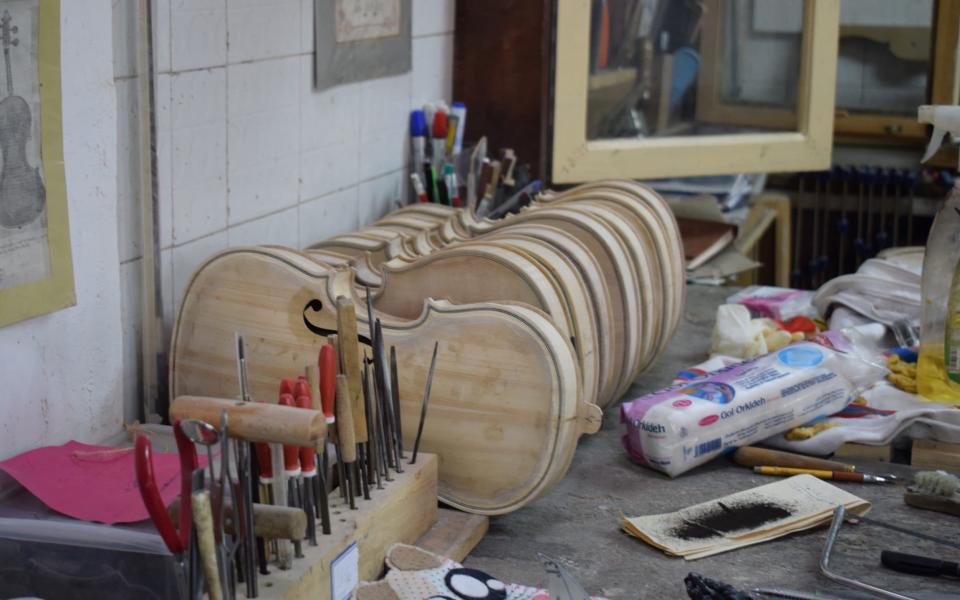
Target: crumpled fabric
[
  {"x": 416, "y": 574},
  {"x": 736, "y": 334},
  {"x": 884, "y": 289}
]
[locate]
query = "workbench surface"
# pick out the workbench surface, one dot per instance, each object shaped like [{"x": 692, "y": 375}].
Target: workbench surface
[{"x": 577, "y": 523}]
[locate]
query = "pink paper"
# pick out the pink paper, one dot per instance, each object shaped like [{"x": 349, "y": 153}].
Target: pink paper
[{"x": 92, "y": 483}]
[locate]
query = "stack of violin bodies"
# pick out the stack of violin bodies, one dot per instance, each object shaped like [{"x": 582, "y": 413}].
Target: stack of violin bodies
[{"x": 542, "y": 318}]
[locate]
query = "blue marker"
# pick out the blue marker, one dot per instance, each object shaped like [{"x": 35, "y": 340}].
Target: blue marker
[{"x": 418, "y": 137}]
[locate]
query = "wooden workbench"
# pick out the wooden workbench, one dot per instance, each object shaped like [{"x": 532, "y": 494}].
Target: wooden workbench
[{"x": 578, "y": 522}]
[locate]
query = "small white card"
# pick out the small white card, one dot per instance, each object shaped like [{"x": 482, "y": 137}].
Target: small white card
[{"x": 345, "y": 573}]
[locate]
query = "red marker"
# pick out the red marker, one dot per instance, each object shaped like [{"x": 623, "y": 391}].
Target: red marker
[{"x": 439, "y": 142}]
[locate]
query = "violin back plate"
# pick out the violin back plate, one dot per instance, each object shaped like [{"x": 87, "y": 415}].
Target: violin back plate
[{"x": 504, "y": 413}]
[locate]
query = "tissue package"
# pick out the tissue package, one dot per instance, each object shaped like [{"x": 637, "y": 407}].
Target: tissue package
[{"x": 692, "y": 422}]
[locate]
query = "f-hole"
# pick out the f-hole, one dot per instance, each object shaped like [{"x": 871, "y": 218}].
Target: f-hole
[{"x": 315, "y": 306}]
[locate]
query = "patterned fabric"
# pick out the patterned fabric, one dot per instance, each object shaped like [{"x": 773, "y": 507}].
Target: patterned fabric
[{"x": 415, "y": 574}]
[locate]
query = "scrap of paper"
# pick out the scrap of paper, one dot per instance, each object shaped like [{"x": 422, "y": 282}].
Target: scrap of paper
[
  {"x": 745, "y": 518},
  {"x": 92, "y": 483}
]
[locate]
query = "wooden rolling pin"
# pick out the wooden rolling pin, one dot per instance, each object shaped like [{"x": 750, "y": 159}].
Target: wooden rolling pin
[
  {"x": 256, "y": 421},
  {"x": 269, "y": 521},
  {"x": 749, "y": 456}
]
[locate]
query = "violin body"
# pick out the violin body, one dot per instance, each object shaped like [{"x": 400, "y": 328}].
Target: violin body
[
  {"x": 505, "y": 407},
  {"x": 625, "y": 246},
  {"x": 22, "y": 194}
]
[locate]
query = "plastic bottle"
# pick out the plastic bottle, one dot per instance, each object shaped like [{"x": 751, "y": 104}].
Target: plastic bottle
[{"x": 938, "y": 370}]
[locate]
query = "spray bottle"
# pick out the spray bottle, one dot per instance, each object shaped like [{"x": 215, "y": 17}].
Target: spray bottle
[{"x": 938, "y": 370}]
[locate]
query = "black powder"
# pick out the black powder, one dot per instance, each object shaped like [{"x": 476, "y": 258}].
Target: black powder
[{"x": 719, "y": 519}]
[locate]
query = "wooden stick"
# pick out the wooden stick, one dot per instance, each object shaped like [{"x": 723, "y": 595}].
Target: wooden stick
[
  {"x": 203, "y": 522},
  {"x": 349, "y": 346},
  {"x": 256, "y": 421},
  {"x": 269, "y": 521}
]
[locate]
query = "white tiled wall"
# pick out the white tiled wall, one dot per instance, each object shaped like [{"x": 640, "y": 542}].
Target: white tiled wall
[{"x": 248, "y": 152}]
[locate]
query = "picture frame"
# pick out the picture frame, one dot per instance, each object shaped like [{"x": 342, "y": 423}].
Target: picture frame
[
  {"x": 48, "y": 286},
  {"x": 577, "y": 159}
]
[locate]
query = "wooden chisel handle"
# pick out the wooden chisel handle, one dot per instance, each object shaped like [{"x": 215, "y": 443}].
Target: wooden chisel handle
[
  {"x": 256, "y": 421},
  {"x": 749, "y": 456},
  {"x": 345, "y": 431},
  {"x": 269, "y": 521},
  {"x": 203, "y": 522}
]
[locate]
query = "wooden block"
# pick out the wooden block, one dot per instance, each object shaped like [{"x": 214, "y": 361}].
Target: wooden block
[
  {"x": 402, "y": 512},
  {"x": 928, "y": 454},
  {"x": 454, "y": 534},
  {"x": 864, "y": 452}
]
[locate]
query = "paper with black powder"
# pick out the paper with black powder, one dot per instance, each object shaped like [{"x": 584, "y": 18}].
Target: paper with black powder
[{"x": 745, "y": 518}]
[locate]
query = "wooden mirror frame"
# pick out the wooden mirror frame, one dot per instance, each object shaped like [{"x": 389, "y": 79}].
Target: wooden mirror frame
[
  {"x": 849, "y": 127},
  {"x": 576, "y": 159}
]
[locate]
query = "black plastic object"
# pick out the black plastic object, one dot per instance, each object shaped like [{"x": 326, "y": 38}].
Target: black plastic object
[
  {"x": 919, "y": 565},
  {"x": 704, "y": 588}
]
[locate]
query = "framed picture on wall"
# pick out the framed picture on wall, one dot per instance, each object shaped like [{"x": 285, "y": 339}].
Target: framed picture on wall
[
  {"x": 356, "y": 40},
  {"x": 36, "y": 270}
]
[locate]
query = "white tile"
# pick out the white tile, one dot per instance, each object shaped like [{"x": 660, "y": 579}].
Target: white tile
[
  {"x": 161, "y": 35},
  {"x": 328, "y": 216},
  {"x": 263, "y": 29},
  {"x": 265, "y": 137},
  {"x": 306, "y": 27},
  {"x": 382, "y": 155},
  {"x": 279, "y": 228},
  {"x": 328, "y": 169},
  {"x": 198, "y": 98},
  {"x": 329, "y": 117},
  {"x": 130, "y": 311},
  {"x": 262, "y": 188},
  {"x": 188, "y": 257},
  {"x": 128, "y": 171},
  {"x": 432, "y": 70},
  {"x": 379, "y": 196},
  {"x": 199, "y": 37},
  {"x": 263, "y": 86},
  {"x": 164, "y": 118},
  {"x": 384, "y": 106},
  {"x": 198, "y": 163},
  {"x": 124, "y": 38},
  {"x": 432, "y": 16}
]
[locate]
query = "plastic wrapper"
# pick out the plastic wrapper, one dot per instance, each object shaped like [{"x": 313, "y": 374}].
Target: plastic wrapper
[{"x": 692, "y": 422}]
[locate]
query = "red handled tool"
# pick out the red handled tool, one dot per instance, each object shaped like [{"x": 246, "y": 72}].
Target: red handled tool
[
  {"x": 177, "y": 540},
  {"x": 327, "y": 361}
]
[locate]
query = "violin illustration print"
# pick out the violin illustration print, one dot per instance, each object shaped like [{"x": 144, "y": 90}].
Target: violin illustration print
[{"x": 22, "y": 193}]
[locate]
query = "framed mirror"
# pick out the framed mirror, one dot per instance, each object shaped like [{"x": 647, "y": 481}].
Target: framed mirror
[{"x": 645, "y": 88}]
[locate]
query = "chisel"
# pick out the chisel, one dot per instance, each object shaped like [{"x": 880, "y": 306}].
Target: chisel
[
  {"x": 244, "y": 476},
  {"x": 346, "y": 433},
  {"x": 426, "y": 400},
  {"x": 382, "y": 372},
  {"x": 373, "y": 473},
  {"x": 395, "y": 388},
  {"x": 327, "y": 364}
]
